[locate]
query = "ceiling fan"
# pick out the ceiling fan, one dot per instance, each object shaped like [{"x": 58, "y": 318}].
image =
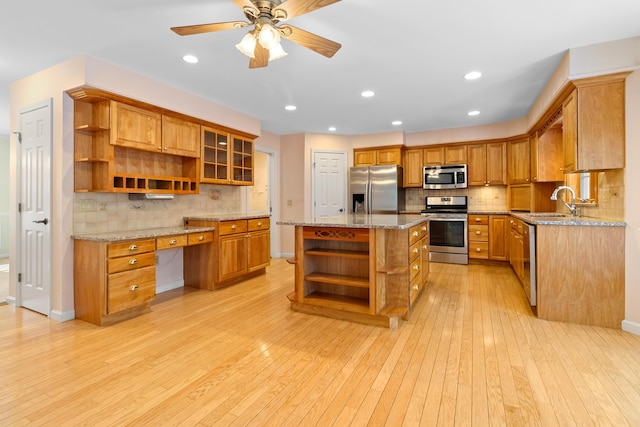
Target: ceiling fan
[{"x": 262, "y": 43}]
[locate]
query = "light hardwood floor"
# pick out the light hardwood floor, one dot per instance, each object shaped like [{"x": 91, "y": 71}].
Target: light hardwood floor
[{"x": 471, "y": 354}]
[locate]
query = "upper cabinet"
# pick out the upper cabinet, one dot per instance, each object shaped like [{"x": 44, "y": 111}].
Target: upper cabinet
[
  {"x": 487, "y": 163},
  {"x": 226, "y": 158},
  {"x": 123, "y": 145},
  {"x": 547, "y": 155},
  {"x": 519, "y": 161},
  {"x": 593, "y": 117},
  {"x": 377, "y": 156},
  {"x": 412, "y": 168},
  {"x": 445, "y": 155}
]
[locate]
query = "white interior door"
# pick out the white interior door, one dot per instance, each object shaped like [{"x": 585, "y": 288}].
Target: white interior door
[
  {"x": 35, "y": 201},
  {"x": 329, "y": 183}
]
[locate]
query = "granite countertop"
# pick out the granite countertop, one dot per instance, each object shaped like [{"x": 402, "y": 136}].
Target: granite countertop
[
  {"x": 349, "y": 220},
  {"x": 225, "y": 217},
  {"x": 538, "y": 218},
  {"x": 139, "y": 234}
]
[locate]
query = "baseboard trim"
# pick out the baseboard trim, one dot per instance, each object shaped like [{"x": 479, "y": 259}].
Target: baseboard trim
[
  {"x": 62, "y": 316},
  {"x": 286, "y": 255},
  {"x": 169, "y": 286},
  {"x": 632, "y": 327},
  {"x": 11, "y": 301}
]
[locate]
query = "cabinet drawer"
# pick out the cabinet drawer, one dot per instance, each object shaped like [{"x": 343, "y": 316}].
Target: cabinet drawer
[
  {"x": 415, "y": 287},
  {"x": 131, "y": 262},
  {"x": 130, "y": 288},
  {"x": 414, "y": 250},
  {"x": 417, "y": 232},
  {"x": 478, "y": 233},
  {"x": 131, "y": 248},
  {"x": 415, "y": 267},
  {"x": 233, "y": 227},
  {"x": 479, "y": 250},
  {"x": 171, "y": 242},
  {"x": 199, "y": 238},
  {"x": 258, "y": 224},
  {"x": 479, "y": 219}
]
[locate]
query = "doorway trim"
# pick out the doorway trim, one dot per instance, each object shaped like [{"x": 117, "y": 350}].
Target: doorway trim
[
  {"x": 345, "y": 167},
  {"x": 274, "y": 196}
]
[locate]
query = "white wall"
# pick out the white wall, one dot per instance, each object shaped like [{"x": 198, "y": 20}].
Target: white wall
[{"x": 5, "y": 185}]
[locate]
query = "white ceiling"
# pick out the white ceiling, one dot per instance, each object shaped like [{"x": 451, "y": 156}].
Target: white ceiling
[{"x": 412, "y": 53}]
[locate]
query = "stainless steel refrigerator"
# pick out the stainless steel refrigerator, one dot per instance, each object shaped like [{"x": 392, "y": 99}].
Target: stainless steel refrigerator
[{"x": 376, "y": 189}]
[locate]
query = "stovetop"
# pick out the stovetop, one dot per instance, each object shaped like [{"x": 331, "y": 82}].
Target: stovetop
[{"x": 446, "y": 206}]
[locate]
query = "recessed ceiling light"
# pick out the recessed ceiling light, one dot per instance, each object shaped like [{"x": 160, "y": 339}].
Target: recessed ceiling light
[
  {"x": 472, "y": 75},
  {"x": 367, "y": 93},
  {"x": 396, "y": 122},
  {"x": 332, "y": 129},
  {"x": 191, "y": 59},
  {"x": 473, "y": 113},
  {"x": 290, "y": 107}
]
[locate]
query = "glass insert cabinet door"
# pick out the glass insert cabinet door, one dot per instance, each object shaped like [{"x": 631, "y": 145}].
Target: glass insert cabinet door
[{"x": 226, "y": 158}]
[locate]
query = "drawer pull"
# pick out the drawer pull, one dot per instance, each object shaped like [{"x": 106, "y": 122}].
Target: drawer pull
[
  {"x": 133, "y": 247},
  {"x": 416, "y": 267},
  {"x": 173, "y": 242},
  {"x": 260, "y": 224},
  {"x": 424, "y": 228},
  {"x": 233, "y": 227},
  {"x": 416, "y": 287},
  {"x": 133, "y": 288},
  {"x": 478, "y": 250},
  {"x": 478, "y": 219},
  {"x": 133, "y": 261},
  {"x": 415, "y": 233},
  {"x": 416, "y": 250},
  {"x": 478, "y": 232},
  {"x": 425, "y": 247},
  {"x": 201, "y": 238}
]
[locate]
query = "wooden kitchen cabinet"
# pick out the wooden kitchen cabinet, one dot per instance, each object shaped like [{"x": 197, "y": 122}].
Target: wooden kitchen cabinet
[
  {"x": 451, "y": 154},
  {"x": 547, "y": 155},
  {"x": 241, "y": 249},
  {"x": 180, "y": 137},
  {"x": 488, "y": 237},
  {"x": 433, "y": 156},
  {"x": 116, "y": 149},
  {"x": 455, "y": 155},
  {"x": 391, "y": 155},
  {"x": 593, "y": 116},
  {"x": 113, "y": 281},
  {"x": 487, "y": 163},
  {"x": 226, "y": 158},
  {"x": 519, "y": 161},
  {"x": 412, "y": 168},
  {"x": 499, "y": 237},
  {"x": 534, "y": 197}
]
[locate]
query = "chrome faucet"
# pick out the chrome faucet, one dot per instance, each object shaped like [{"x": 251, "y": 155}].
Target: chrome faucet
[{"x": 572, "y": 207}]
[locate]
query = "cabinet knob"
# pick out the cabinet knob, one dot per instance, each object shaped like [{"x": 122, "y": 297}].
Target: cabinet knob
[
  {"x": 424, "y": 228},
  {"x": 561, "y": 169},
  {"x": 478, "y": 219},
  {"x": 233, "y": 227},
  {"x": 416, "y": 234},
  {"x": 164, "y": 149},
  {"x": 133, "y": 261},
  {"x": 527, "y": 180},
  {"x": 416, "y": 250},
  {"x": 159, "y": 148},
  {"x": 478, "y": 250},
  {"x": 416, "y": 267},
  {"x": 478, "y": 233},
  {"x": 133, "y": 288},
  {"x": 260, "y": 224},
  {"x": 201, "y": 238},
  {"x": 416, "y": 287},
  {"x": 425, "y": 247},
  {"x": 133, "y": 247},
  {"x": 173, "y": 242}
]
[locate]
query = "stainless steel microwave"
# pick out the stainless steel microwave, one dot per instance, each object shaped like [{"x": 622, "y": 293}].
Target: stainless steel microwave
[{"x": 444, "y": 177}]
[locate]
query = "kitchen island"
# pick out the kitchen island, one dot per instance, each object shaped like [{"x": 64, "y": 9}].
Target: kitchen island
[{"x": 363, "y": 268}]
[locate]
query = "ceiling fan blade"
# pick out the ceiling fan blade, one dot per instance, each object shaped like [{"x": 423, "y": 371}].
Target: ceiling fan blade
[
  {"x": 261, "y": 57},
  {"x": 309, "y": 40},
  {"x": 293, "y": 8},
  {"x": 188, "y": 30},
  {"x": 244, "y": 3}
]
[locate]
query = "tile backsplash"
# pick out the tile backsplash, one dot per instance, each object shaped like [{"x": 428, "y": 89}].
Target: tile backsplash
[
  {"x": 107, "y": 212},
  {"x": 487, "y": 199},
  {"x": 610, "y": 197}
]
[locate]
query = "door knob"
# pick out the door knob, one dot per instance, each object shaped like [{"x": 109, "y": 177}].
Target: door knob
[{"x": 42, "y": 221}]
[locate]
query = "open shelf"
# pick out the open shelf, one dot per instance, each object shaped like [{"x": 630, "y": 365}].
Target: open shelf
[
  {"x": 338, "y": 279},
  {"x": 338, "y": 253},
  {"x": 340, "y": 302}
]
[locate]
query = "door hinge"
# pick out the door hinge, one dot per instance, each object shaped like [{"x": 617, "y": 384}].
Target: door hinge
[
  {"x": 19, "y": 134},
  {"x": 19, "y": 277},
  {"x": 19, "y": 207}
]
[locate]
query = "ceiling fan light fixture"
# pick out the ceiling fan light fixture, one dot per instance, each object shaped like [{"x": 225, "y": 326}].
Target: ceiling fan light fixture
[
  {"x": 269, "y": 37},
  {"x": 276, "y": 52},
  {"x": 247, "y": 45}
]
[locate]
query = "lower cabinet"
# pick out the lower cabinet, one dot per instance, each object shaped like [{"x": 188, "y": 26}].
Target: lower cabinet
[
  {"x": 242, "y": 250},
  {"x": 418, "y": 260},
  {"x": 488, "y": 237}
]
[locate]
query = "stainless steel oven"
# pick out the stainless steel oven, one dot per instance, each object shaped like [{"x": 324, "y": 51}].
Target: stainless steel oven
[{"x": 448, "y": 229}]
